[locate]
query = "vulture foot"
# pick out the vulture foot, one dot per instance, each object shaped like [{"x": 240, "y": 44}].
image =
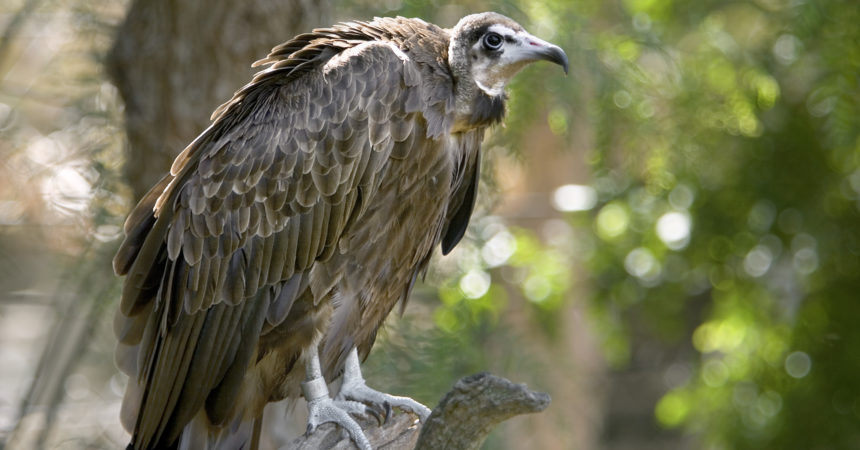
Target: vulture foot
[
  {"x": 325, "y": 409},
  {"x": 354, "y": 388},
  {"x": 322, "y": 409}
]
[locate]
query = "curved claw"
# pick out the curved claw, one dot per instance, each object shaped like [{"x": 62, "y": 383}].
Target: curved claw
[
  {"x": 323, "y": 410},
  {"x": 381, "y": 417},
  {"x": 359, "y": 392},
  {"x": 387, "y": 411},
  {"x": 354, "y": 388},
  {"x": 359, "y": 409}
]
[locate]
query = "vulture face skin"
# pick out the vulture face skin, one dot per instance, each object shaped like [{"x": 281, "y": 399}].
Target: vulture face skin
[
  {"x": 264, "y": 263},
  {"x": 497, "y": 48},
  {"x": 486, "y": 51}
]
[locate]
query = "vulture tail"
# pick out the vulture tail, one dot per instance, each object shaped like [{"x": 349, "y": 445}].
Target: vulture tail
[{"x": 243, "y": 435}]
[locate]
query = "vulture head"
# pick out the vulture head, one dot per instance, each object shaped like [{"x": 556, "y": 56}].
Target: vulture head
[{"x": 485, "y": 52}]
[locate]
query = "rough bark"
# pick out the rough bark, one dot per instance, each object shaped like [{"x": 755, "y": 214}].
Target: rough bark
[
  {"x": 399, "y": 433},
  {"x": 462, "y": 420}
]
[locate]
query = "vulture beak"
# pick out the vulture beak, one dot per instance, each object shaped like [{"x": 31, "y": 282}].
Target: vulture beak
[{"x": 534, "y": 49}]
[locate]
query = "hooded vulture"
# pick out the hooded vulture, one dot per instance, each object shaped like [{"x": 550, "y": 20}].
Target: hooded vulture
[{"x": 265, "y": 261}]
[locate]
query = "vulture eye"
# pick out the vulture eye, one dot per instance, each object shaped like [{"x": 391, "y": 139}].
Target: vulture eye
[{"x": 492, "y": 41}]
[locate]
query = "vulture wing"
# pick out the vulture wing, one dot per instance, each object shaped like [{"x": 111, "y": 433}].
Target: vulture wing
[{"x": 217, "y": 252}]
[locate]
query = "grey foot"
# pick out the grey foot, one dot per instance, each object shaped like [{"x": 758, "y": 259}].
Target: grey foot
[
  {"x": 354, "y": 388},
  {"x": 324, "y": 409},
  {"x": 359, "y": 392}
]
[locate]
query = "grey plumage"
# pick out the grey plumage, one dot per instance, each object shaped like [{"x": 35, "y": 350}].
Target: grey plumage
[{"x": 307, "y": 209}]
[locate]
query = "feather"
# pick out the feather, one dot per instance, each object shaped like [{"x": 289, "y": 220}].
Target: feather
[
  {"x": 199, "y": 287},
  {"x": 279, "y": 308},
  {"x": 266, "y": 254},
  {"x": 222, "y": 397},
  {"x": 401, "y": 129},
  {"x": 327, "y": 180},
  {"x": 254, "y": 266},
  {"x": 294, "y": 232},
  {"x": 462, "y": 206},
  {"x": 174, "y": 238},
  {"x": 275, "y": 268},
  {"x": 234, "y": 286},
  {"x": 303, "y": 252},
  {"x": 192, "y": 248}
]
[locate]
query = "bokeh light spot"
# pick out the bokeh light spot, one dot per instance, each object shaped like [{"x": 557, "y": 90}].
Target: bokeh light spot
[
  {"x": 673, "y": 229},
  {"x": 641, "y": 263},
  {"x": 786, "y": 49},
  {"x": 558, "y": 122},
  {"x": 499, "y": 248},
  {"x": 537, "y": 288},
  {"x": 475, "y": 283},
  {"x": 758, "y": 261},
  {"x": 798, "y": 364},
  {"x": 622, "y": 99},
  {"x": 805, "y": 261},
  {"x": 672, "y": 409},
  {"x": 574, "y": 197},
  {"x": 769, "y": 404},
  {"x": 715, "y": 373},
  {"x": 681, "y": 197},
  {"x": 612, "y": 221}
]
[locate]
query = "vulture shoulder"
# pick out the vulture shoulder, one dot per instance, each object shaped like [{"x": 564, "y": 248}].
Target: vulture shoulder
[{"x": 222, "y": 246}]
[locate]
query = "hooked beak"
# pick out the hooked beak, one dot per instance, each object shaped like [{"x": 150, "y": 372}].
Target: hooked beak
[{"x": 535, "y": 49}]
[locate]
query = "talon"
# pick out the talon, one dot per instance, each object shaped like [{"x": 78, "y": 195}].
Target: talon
[
  {"x": 354, "y": 388},
  {"x": 327, "y": 410},
  {"x": 387, "y": 406},
  {"x": 376, "y": 415}
]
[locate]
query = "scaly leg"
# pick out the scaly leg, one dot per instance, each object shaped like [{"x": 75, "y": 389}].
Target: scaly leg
[
  {"x": 323, "y": 409},
  {"x": 354, "y": 388}
]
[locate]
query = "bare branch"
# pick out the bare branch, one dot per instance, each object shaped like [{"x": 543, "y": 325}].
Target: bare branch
[
  {"x": 462, "y": 420},
  {"x": 473, "y": 408}
]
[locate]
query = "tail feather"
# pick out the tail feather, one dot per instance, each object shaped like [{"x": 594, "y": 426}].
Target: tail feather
[{"x": 243, "y": 435}]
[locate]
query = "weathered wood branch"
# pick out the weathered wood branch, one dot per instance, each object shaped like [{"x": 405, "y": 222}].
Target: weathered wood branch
[
  {"x": 473, "y": 408},
  {"x": 462, "y": 420}
]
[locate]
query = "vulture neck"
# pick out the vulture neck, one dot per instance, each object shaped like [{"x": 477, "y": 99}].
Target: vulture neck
[{"x": 477, "y": 108}]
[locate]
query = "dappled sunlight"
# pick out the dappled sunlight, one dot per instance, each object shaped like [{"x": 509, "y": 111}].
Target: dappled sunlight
[
  {"x": 574, "y": 197},
  {"x": 475, "y": 283},
  {"x": 673, "y": 228},
  {"x": 640, "y": 263},
  {"x": 499, "y": 248},
  {"x": 612, "y": 221}
]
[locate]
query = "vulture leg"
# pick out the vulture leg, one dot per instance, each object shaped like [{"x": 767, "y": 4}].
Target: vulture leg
[
  {"x": 354, "y": 388},
  {"x": 322, "y": 408}
]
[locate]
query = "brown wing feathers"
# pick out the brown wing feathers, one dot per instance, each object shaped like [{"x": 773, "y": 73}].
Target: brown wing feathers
[{"x": 462, "y": 203}]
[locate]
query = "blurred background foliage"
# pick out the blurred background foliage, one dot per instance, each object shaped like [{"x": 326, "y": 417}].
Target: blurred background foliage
[{"x": 668, "y": 241}]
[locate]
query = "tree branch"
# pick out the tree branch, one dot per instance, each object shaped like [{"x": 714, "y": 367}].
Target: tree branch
[
  {"x": 473, "y": 408},
  {"x": 462, "y": 420}
]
